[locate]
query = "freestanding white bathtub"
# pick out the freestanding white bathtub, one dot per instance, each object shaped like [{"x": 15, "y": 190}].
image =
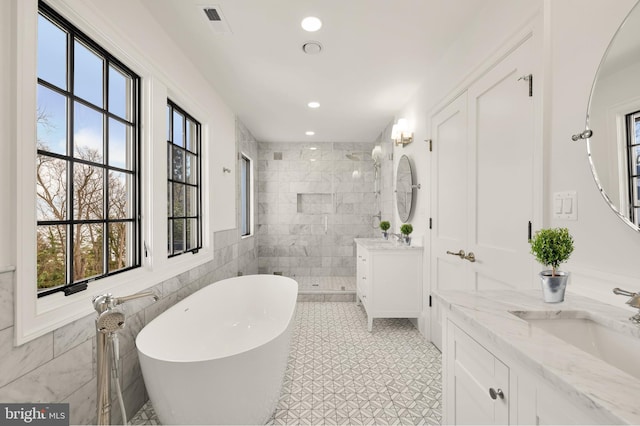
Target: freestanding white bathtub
[{"x": 219, "y": 356}]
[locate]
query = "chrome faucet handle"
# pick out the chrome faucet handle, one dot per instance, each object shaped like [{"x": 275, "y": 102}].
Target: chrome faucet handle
[
  {"x": 106, "y": 301},
  {"x": 623, "y": 292},
  {"x": 121, "y": 300}
]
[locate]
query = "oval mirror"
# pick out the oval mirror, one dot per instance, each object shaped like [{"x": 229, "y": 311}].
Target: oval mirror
[
  {"x": 404, "y": 189},
  {"x": 613, "y": 114}
]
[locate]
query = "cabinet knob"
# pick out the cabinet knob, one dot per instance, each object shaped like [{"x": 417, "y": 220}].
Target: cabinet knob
[{"x": 496, "y": 393}]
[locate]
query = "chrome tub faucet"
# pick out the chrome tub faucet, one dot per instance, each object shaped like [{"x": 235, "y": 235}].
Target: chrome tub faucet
[{"x": 634, "y": 302}]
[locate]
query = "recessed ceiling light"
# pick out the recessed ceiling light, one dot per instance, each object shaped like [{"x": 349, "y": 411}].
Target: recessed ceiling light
[
  {"x": 313, "y": 104},
  {"x": 313, "y": 148},
  {"x": 311, "y": 24},
  {"x": 310, "y": 133}
]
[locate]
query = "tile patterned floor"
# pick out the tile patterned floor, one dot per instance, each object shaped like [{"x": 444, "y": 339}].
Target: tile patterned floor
[{"x": 340, "y": 374}]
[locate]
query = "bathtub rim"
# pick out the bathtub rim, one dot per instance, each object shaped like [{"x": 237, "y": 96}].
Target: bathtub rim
[{"x": 292, "y": 287}]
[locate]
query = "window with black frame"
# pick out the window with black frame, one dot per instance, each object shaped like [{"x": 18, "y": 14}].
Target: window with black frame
[
  {"x": 633, "y": 155},
  {"x": 245, "y": 196},
  {"x": 184, "y": 184},
  {"x": 87, "y": 164}
]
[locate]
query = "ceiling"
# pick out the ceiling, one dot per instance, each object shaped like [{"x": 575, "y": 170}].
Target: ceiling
[{"x": 376, "y": 53}]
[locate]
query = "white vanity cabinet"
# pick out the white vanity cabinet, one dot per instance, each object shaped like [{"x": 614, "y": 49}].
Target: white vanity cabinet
[
  {"x": 478, "y": 382},
  {"x": 389, "y": 279},
  {"x": 489, "y": 378}
]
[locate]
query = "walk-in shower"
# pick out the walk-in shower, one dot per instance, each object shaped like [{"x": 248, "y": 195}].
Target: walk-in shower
[{"x": 313, "y": 200}]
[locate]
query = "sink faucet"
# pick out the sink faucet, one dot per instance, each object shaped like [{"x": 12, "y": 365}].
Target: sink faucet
[{"x": 634, "y": 302}]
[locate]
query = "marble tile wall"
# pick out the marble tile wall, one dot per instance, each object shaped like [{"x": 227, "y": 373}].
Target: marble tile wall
[
  {"x": 61, "y": 366},
  {"x": 313, "y": 200}
]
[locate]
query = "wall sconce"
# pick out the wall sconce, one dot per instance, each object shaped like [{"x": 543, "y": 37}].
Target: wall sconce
[{"x": 400, "y": 133}]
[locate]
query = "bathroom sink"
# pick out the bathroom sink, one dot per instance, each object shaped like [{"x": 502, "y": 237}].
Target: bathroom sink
[{"x": 578, "y": 329}]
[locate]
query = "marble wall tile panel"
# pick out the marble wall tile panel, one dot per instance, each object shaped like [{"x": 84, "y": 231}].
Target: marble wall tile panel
[
  {"x": 6, "y": 300},
  {"x": 54, "y": 381},
  {"x": 15, "y": 362},
  {"x": 83, "y": 403},
  {"x": 130, "y": 369},
  {"x": 74, "y": 334},
  {"x": 160, "y": 306}
]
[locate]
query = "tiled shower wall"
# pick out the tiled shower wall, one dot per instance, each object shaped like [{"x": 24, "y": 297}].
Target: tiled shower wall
[
  {"x": 313, "y": 200},
  {"x": 60, "y": 366}
]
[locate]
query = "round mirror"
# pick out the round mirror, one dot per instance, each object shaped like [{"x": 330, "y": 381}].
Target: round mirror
[
  {"x": 614, "y": 117},
  {"x": 404, "y": 189}
]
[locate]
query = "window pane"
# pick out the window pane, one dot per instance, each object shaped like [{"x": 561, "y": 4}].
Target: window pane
[
  {"x": 120, "y": 89},
  {"x": 178, "y": 131},
  {"x": 52, "y": 247},
  {"x": 243, "y": 196},
  {"x": 51, "y": 188},
  {"x": 119, "y": 195},
  {"x": 177, "y": 166},
  {"x": 119, "y": 144},
  {"x": 191, "y": 200},
  {"x": 87, "y": 192},
  {"x": 52, "y": 53},
  {"x": 191, "y": 168},
  {"x": 178, "y": 235},
  {"x": 51, "y": 121},
  {"x": 635, "y": 157},
  {"x": 178, "y": 200},
  {"x": 191, "y": 136},
  {"x": 119, "y": 236},
  {"x": 87, "y": 250},
  {"x": 88, "y": 75},
  {"x": 87, "y": 134},
  {"x": 192, "y": 234}
]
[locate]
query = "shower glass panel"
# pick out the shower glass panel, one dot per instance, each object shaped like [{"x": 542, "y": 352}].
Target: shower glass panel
[{"x": 313, "y": 200}]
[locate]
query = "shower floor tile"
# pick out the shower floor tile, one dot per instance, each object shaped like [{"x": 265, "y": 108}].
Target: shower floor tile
[{"x": 340, "y": 374}]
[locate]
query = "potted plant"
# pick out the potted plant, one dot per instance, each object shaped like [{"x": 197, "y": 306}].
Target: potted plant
[
  {"x": 406, "y": 229},
  {"x": 385, "y": 225},
  {"x": 551, "y": 247}
]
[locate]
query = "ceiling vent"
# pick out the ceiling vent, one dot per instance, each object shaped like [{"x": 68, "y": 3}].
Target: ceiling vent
[{"x": 216, "y": 19}]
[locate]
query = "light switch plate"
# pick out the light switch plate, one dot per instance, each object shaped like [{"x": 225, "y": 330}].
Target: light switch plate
[{"x": 565, "y": 205}]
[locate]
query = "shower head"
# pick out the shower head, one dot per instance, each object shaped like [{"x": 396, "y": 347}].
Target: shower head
[{"x": 110, "y": 321}]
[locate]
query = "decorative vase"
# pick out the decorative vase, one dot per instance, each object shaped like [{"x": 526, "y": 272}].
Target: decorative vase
[
  {"x": 385, "y": 235},
  {"x": 407, "y": 240},
  {"x": 553, "y": 287}
]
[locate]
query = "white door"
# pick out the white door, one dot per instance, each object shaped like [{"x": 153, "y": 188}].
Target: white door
[
  {"x": 449, "y": 204},
  {"x": 482, "y": 184},
  {"x": 501, "y": 185}
]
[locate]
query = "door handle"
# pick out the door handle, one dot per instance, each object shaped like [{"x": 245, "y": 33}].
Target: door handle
[
  {"x": 460, "y": 253},
  {"x": 496, "y": 393},
  {"x": 470, "y": 257}
]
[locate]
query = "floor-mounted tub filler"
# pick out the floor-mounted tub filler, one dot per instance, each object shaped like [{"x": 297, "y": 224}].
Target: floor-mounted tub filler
[{"x": 219, "y": 356}]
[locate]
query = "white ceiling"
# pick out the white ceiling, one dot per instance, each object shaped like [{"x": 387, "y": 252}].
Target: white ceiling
[{"x": 376, "y": 54}]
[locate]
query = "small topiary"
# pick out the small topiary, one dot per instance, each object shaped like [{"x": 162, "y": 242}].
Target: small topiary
[
  {"x": 406, "y": 229},
  {"x": 385, "y": 225},
  {"x": 551, "y": 247}
]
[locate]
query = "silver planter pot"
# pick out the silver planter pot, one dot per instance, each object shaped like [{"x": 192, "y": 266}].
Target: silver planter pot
[{"x": 553, "y": 287}]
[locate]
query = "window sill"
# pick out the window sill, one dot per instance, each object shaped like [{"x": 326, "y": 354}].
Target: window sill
[{"x": 54, "y": 311}]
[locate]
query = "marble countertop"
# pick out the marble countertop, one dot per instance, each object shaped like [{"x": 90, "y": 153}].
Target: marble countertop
[
  {"x": 590, "y": 380},
  {"x": 381, "y": 244}
]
